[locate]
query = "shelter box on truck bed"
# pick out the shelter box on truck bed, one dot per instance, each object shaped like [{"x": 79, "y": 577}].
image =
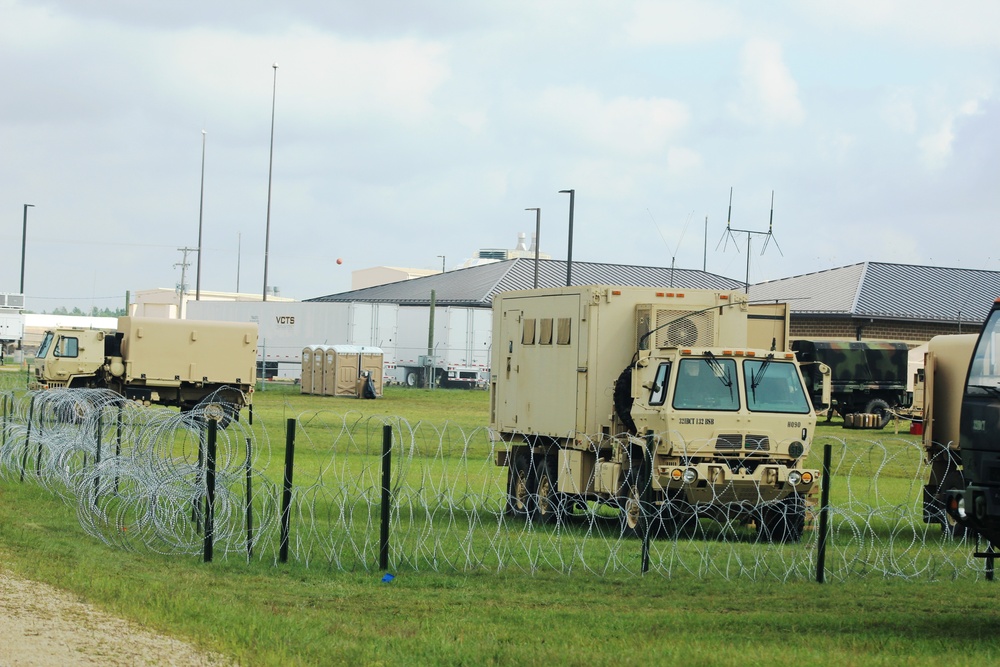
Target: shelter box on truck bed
[
  {"x": 558, "y": 352},
  {"x": 175, "y": 351}
]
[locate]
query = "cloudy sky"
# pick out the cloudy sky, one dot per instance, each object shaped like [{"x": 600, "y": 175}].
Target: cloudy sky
[{"x": 404, "y": 131}]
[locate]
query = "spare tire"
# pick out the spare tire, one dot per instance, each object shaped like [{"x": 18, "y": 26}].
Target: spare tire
[
  {"x": 878, "y": 406},
  {"x": 623, "y": 399}
]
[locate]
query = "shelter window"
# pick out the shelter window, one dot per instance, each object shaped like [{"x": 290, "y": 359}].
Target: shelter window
[
  {"x": 545, "y": 331},
  {"x": 563, "y": 333},
  {"x": 528, "y": 332}
]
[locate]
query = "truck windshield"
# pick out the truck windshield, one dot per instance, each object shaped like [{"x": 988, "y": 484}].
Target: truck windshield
[
  {"x": 706, "y": 384},
  {"x": 43, "y": 349},
  {"x": 984, "y": 372},
  {"x": 774, "y": 386}
]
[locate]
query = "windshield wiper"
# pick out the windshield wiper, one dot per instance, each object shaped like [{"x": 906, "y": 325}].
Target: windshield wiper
[
  {"x": 720, "y": 371},
  {"x": 755, "y": 378}
]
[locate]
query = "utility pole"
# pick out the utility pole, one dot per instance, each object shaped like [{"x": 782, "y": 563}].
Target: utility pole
[{"x": 184, "y": 264}]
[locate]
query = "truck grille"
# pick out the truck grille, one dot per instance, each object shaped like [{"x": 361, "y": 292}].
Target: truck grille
[
  {"x": 729, "y": 441},
  {"x": 734, "y": 441}
]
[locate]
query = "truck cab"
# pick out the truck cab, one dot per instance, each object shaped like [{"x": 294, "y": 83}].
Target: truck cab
[
  {"x": 732, "y": 424},
  {"x": 69, "y": 357}
]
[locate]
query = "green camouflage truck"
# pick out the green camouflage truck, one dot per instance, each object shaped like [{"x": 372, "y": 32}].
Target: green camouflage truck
[{"x": 867, "y": 376}]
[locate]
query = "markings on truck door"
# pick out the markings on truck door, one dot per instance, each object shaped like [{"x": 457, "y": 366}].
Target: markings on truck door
[{"x": 697, "y": 420}]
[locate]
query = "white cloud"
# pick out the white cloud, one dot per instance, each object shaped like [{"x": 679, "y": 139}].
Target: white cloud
[
  {"x": 320, "y": 77},
  {"x": 618, "y": 126},
  {"x": 927, "y": 23},
  {"x": 683, "y": 22},
  {"x": 682, "y": 161},
  {"x": 768, "y": 94},
  {"x": 898, "y": 111},
  {"x": 935, "y": 147}
]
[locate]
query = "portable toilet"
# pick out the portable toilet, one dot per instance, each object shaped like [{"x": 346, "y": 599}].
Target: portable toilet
[
  {"x": 319, "y": 369},
  {"x": 330, "y": 370},
  {"x": 372, "y": 362},
  {"x": 308, "y": 352},
  {"x": 348, "y": 363}
]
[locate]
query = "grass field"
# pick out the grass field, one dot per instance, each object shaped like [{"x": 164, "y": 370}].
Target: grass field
[{"x": 292, "y": 614}]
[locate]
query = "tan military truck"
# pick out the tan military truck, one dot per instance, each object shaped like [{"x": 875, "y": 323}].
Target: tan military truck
[
  {"x": 684, "y": 402},
  {"x": 154, "y": 361}
]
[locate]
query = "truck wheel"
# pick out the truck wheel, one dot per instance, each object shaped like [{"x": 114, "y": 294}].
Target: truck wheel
[
  {"x": 520, "y": 483},
  {"x": 411, "y": 378},
  {"x": 548, "y": 502},
  {"x": 783, "y": 521},
  {"x": 879, "y": 407}
]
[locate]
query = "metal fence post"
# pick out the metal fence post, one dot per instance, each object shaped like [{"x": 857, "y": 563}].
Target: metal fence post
[
  {"x": 646, "y": 479},
  {"x": 213, "y": 431},
  {"x": 383, "y": 552},
  {"x": 97, "y": 458},
  {"x": 249, "y": 503},
  {"x": 286, "y": 496},
  {"x": 824, "y": 512},
  {"x": 27, "y": 436}
]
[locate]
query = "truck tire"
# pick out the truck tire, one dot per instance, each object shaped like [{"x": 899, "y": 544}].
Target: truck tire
[
  {"x": 623, "y": 399},
  {"x": 783, "y": 521},
  {"x": 879, "y": 407},
  {"x": 520, "y": 484},
  {"x": 411, "y": 379},
  {"x": 548, "y": 505}
]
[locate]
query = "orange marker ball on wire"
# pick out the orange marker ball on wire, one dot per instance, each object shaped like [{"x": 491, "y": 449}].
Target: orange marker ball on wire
[{"x": 340, "y": 261}]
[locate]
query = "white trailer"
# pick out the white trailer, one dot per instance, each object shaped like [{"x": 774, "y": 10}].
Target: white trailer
[
  {"x": 286, "y": 328},
  {"x": 461, "y": 347},
  {"x": 11, "y": 318}
]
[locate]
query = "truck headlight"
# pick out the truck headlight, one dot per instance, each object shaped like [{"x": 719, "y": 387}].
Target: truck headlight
[
  {"x": 795, "y": 478},
  {"x": 690, "y": 476}
]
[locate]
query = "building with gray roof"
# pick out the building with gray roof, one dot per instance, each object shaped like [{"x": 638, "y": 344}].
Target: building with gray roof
[
  {"x": 878, "y": 300},
  {"x": 476, "y": 286}
]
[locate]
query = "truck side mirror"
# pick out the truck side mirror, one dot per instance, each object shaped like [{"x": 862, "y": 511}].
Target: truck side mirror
[{"x": 826, "y": 373}]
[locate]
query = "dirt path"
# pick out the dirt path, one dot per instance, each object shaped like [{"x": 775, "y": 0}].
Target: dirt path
[{"x": 42, "y": 626}]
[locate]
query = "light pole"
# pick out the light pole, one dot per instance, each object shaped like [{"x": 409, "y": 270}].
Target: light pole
[
  {"x": 24, "y": 238},
  {"x": 270, "y": 164},
  {"x": 538, "y": 230},
  {"x": 201, "y": 209},
  {"x": 569, "y": 253}
]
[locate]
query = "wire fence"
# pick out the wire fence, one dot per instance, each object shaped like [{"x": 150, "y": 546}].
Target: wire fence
[{"x": 140, "y": 479}]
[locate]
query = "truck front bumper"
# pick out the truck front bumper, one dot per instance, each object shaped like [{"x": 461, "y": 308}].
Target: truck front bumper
[{"x": 714, "y": 483}]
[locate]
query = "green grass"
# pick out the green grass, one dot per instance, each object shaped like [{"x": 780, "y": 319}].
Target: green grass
[{"x": 266, "y": 614}]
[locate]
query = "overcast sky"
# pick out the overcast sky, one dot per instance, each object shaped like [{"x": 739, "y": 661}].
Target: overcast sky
[{"x": 408, "y": 130}]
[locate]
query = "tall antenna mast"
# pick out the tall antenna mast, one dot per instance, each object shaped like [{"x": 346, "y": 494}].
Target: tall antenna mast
[{"x": 768, "y": 236}]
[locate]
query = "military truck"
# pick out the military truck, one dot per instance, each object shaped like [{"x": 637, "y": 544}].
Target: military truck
[
  {"x": 946, "y": 366},
  {"x": 866, "y": 376},
  {"x": 154, "y": 361},
  {"x": 974, "y": 503},
  {"x": 666, "y": 404}
]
